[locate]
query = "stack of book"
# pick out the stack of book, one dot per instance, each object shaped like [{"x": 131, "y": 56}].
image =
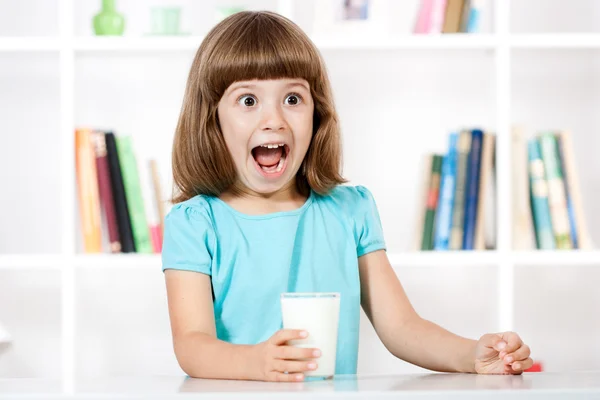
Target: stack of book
[
  {"x": 448, "y": 16},
  {"x": 113, "y": 187},
  {"x": 547, "y": 205},
  {"x": 456, "y": 208}
]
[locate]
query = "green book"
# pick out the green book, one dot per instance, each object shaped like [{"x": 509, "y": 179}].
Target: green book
[
  {"x": 133, "y": 194},
  {"x": 556, "y": 191},
  {"x": 432, "y": 200}
]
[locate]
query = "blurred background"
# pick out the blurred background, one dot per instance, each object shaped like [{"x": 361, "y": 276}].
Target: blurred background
[{"x": 444, "y": 105}]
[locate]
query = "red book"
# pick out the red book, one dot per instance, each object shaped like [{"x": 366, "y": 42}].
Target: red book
[{"x": 105, "y": 189}]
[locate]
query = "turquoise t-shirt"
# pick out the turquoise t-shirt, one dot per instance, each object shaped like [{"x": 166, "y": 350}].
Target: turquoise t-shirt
[{"x": 252, "y": 259}]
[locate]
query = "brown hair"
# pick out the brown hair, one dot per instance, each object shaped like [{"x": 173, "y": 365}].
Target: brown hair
[{"x": 251, "y": 45}]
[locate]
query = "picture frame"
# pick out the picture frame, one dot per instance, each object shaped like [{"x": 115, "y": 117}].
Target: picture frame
[{"x": 350, "y": 17}]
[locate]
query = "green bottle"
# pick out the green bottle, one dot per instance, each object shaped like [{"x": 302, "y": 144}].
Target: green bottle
[{"x": 108, "y": 21}]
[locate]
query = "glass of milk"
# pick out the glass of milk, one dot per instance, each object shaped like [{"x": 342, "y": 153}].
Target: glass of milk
[{"x": 318, "y": 314}]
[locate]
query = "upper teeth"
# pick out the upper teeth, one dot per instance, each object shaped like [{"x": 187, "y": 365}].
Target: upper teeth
[{"x": 271, "y": 146}]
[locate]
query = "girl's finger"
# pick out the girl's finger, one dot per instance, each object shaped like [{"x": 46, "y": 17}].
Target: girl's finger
[
  {"x": 281, "y": 377},
  {"x": 522, "y": 353},
  {"x": 294, "y": 366},
  {"x": 520, "y": 366}
]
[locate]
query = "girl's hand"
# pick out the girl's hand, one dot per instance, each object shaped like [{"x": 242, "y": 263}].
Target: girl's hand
[
  {"x": 502, "y": 353},
  {"x": 278, "y": 362}
]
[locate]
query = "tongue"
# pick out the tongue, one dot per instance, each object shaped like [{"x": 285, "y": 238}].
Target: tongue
[{"x": 267, "y": 157}]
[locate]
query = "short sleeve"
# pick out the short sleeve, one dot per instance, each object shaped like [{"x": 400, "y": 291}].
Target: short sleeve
[
  {"x": 189, "y": 240},
  {"x": 369, "y": 230}
]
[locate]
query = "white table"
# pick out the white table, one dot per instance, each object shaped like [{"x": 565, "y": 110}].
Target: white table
[{"x": 574, "y": 385}]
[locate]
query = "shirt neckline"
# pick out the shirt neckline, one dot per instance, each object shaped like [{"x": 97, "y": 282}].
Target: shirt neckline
[{"x": 276, "y": 214}]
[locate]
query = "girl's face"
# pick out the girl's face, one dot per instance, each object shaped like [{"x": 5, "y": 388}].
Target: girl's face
[{"x": 267, "y": 126}]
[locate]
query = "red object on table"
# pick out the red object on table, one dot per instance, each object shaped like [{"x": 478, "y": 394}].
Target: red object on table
[{"x": 536, "y": 367}]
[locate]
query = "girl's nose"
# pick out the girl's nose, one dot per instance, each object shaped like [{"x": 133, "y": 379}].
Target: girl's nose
[{"x": 273, "y": 119}]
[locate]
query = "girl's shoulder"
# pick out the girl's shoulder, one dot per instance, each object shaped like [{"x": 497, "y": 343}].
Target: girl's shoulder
[
  {"x": 196, "y": 208},
  {"x": 349, "y": 199}
]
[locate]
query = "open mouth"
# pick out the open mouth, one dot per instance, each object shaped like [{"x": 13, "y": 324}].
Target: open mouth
[{"x": 271, "y": 158}]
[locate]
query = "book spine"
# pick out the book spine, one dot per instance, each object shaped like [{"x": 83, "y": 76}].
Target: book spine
[
  {"x": 118, "y": 189},
  {"x": 158, "y": 197},
  {"x": 445, "y": 202},
  {"x": 88, "y": 192},
  {"x": 424, "y": 180},
  {"x": 106, "y": 195},
  {"x": 438, "y": 12},
  {"x": 423, "y": 22},
  {"x": 133, "y": 194},
  {"x": 432, "y": 198},
  {"x": 523, "y": 229},
  {"x": 584, "y": 240},
  {"x": 485, "y": 172},
  {"x": 463, "y": 148},
  {"x": 570, "y": 207},
  {"x": 556, "y": 191},
  {"x": 539, "y": 198},
  {"x": 472, "y": 190},
  {"x": 452, "y": 17},
  {"x": 474, "y": 16}
]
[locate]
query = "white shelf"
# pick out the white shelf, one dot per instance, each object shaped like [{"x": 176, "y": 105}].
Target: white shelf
[
  {"x": 557, "y": 40},
  {"x": 93, "y": 43},
  {"x": 29, "y": 44},
  {"x": 117, "y": 261},
  {"x": 440, "y": 41},
  {"x": 191, "y": 43},
  {"x": 547, "y": 258},
  {"x": 31, "y": 262}
]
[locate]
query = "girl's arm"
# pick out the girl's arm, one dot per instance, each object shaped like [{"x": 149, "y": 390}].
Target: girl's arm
[
  {"x": 199, "y": 353},
  {"x": 403, "y": 332}
]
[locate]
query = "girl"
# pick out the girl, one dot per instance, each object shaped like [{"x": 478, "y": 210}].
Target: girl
[{"x": 260, "y": 210}]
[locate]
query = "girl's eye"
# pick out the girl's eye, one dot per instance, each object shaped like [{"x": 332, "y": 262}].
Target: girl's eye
[
  {"x": 247, "y": 100},
  {"x": 293, "y": 99}
]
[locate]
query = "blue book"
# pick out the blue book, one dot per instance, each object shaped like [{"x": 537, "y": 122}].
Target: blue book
[
  {"x": 472, "y": 195},
  {"x": 539, "y": 197},
  {"x": 446, "y": 196}
]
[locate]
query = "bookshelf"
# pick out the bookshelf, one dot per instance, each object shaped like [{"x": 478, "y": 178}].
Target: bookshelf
[{"x": 488, "y": 79}]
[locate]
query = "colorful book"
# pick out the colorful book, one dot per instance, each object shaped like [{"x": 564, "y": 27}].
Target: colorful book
[
  {"x": 463, "y": 149},
  {"x": 472, "y": 189},
  {"x": 118, "y": 189},
  {"x": 133, "y": 194},
  {"x": 424, "y": 179},
  {"x": 88, "y": 192},
  {"x": 569, "y": 200},
  {"x": 486, "y": 170},
  {"x": 454, "y": 10},
  {"x": 474, "y": 16},
  {"x": 445, "y": 201},
  {"x": 584, "y": 240},
  {"x": 539, "y": 198},
  {"x": 556, "y": 191},
  {"x": 105, "y": 189},
  {"x": 149, "y": 205},
  {"x": 158, "y": 196},
  {"x": 523, "y": 231},
  {"x": 423, "y": 21},
  {"x": 432, "y": 199}
]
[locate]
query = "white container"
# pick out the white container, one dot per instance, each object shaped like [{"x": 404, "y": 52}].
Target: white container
[{"x": 318, "y": 314}]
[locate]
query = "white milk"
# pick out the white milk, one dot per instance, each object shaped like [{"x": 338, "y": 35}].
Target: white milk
[{"x": 318, "y": 314}]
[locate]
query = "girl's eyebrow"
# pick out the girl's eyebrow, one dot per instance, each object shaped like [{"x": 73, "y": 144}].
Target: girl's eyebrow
[{"x": 252, "y": 86}]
